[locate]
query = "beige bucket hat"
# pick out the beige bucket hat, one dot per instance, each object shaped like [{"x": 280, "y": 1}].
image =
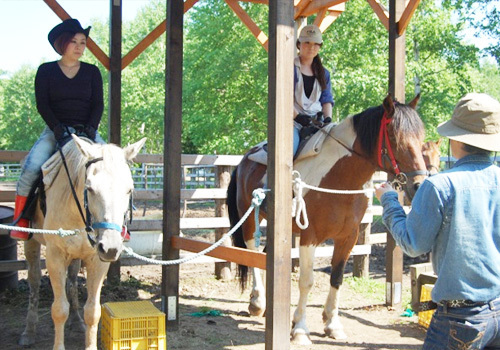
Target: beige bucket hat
[
  {"x": 475, "y": 121},
  {"x": 311, "y": 34}
]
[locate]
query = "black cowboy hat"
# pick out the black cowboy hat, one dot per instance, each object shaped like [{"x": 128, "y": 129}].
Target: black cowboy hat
[{"x": 69, "y": 25}]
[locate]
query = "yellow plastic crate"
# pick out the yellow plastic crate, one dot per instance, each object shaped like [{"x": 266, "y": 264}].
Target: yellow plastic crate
[
  {"x": 424, "y": 317},
  {"x": 132, "y": 325}
]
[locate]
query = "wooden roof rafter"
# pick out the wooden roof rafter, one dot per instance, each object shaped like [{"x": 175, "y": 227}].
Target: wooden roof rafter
[
  {"x": 381, "y": 12},
  {"x": 327, "y": 16},
  {"x": 248, "y": 21}
]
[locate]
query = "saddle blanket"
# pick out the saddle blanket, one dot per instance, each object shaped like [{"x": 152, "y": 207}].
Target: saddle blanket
[{"x": 311, "y": 148}]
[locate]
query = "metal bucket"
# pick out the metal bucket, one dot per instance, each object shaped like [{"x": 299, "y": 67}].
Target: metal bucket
[{"x": 8, "y": 250}]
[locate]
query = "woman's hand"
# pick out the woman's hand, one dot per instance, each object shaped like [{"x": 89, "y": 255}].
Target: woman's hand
[{"x": 380, "y": 189}]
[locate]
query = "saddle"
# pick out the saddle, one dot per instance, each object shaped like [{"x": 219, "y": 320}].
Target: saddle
[{"x": 311, "y": 142}]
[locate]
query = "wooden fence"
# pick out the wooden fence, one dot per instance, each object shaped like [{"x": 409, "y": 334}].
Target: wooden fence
[{"x": 222, "y": 166}]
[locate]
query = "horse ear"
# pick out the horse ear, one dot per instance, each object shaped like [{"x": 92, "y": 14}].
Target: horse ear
[
  {"x": 84, "y": 147},
  {"x": 132, "y": 150},
  {"x": 414, "y": 102},
  {"x": 388, "y": 105}
]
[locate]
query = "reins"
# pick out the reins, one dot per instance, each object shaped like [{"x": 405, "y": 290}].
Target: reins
[{"x": 87, "y": 217}]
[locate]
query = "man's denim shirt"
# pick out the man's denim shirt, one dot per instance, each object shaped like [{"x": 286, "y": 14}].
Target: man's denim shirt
[{"x": 456, "y": 215}]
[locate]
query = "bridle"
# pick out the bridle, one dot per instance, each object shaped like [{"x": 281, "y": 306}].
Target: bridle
[
  {"x": 384, "y": 151},
  {"x": 90, "y": 226}
]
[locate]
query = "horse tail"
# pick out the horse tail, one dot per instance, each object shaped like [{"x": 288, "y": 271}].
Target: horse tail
[{"x": 234, "y": 218}]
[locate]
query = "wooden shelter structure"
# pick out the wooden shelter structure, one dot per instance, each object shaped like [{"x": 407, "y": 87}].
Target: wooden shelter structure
[{"x": 284, "y": 17}]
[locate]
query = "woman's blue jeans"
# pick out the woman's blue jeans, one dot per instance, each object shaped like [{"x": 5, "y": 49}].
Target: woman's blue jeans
[
  {"x": 296, "y": 140},
  {"x": 41, "y": 151},
  {"x": 465, "y": 328}
]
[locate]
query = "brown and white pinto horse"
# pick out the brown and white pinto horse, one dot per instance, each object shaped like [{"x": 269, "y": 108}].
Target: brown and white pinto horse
[{"x": 387, "y": 137}]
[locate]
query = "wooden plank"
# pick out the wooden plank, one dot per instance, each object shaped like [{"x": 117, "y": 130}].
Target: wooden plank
[
  {"x": 394, "y": 254},
  {"x": 234, "y": 254},
  {"x": 172, "y": 162},
  {"x": 193, "y": 159},
  {"x": 380, "y": 11},
  {"x": 222, "y": 270},
  {"x": 314, "y": 6},
  {"x": 407, "y": 15},
  {"x": 196, "y": 194},
  {"x": 280, "y": 165},
  {"x": 12, "y": 156},
  {"x": 416, "y": 271},
  {"x": 151, "y": 37},
  {"x": 247, "y": 20}
]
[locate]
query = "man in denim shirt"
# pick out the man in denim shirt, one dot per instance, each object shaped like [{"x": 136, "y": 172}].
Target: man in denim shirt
[{"x": 456, "y": 216}]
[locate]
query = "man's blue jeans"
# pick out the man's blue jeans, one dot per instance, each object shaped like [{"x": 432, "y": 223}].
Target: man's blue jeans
[{"x": 465, "y": 328}]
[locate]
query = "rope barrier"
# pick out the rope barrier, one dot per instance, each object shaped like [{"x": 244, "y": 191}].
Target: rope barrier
[
  {"x": 59, "y": 232},
  {"x": 258, "y": 197}
]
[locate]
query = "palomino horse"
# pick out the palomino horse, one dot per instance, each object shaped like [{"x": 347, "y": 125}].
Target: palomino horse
[
  {"x": 389, "y": 138},
  {"x": 432, "y": 156},
  {"x": 103, "y": 184}
]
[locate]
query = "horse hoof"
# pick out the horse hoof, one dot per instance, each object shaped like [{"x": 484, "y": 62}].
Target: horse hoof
[
  {"x": 335, "y": 333},
  {"x": 255, "y": 310},
  {"x": 300, "y": 338}
]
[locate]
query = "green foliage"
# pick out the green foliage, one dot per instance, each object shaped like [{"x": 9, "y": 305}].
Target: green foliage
[
  {"x": 367, "y": 287},
  {"x": 225, "y": 74},
  {"x": 21, "y": 124}
]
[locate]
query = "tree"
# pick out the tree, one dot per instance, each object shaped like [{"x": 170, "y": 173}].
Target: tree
[{"x": 483, "y": 16}]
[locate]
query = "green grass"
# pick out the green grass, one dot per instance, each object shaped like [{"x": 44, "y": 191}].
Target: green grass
[{"x": 367, "y": 287}]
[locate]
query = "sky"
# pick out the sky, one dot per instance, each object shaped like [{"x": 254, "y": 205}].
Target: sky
[{"x": 25, "y": 24}]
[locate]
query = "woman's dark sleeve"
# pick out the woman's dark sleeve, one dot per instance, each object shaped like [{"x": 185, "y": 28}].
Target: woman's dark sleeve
[
  {"x": 96, "y": 102},
  {"x": 42, "y": 91}
]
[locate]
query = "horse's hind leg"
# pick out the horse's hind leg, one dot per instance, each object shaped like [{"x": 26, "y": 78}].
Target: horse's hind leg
[
  {"x": 32, "y": 253},
  {"x": 300, "y": 333},
  {"x": 257, "y": 305},
  {"x": 75, "y": 321}
]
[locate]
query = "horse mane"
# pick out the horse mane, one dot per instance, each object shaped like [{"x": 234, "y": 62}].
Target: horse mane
[
  {"x": 406, "y": 125},
  {"x": 113, "y": 160}
]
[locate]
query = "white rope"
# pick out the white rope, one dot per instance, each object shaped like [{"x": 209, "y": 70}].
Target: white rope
[
  {"x": 59, "y": 232},
  {"x": 258, "y": 197},
  {"x": 299, "y": 205}
]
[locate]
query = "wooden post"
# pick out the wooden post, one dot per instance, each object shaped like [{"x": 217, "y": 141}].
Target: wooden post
[
  {"x": 223, "y": 177},
  {"x": 361, "y": 263},
  {"x": 394, "y": 255},
  {"x": 115, "y": 82},
  {"x": 280, "y": 164},
  {"x": 172, "y": 161}
]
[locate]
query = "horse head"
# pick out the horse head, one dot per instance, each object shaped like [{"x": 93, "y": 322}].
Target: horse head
[
  {"x": 400, "y": 144},
  {"x": 107, "y": 193},
  {"x": 432, "y": 156}
]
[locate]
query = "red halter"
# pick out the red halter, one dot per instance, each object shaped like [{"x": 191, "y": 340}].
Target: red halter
[{"x": 387, "y": 151}]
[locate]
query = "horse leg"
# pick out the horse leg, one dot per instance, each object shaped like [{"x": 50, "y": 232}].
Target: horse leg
[
  {"x": 257, "y": 305},
  {"x": 75, "y": 322},
  {"x": 333, "y": 327},
  {"x": 300, "y": 333},
  {"x": 32, "y": 253},
  {"x": 96, "y": 272},
  {"x": 57, "y": 267}
]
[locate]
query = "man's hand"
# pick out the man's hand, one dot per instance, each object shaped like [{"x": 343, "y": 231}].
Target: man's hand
[{"x": 380, "y": 189}]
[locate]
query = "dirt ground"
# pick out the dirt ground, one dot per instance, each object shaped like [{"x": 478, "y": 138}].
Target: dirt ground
[{"x": 213, "y": 313}]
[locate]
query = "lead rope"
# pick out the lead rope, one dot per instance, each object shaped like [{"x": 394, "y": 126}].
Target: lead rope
[
  {"x": 258, "y": 197},
  {"x": 299, "y": 205}
]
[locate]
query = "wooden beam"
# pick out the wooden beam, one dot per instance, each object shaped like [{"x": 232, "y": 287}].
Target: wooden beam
[
  {"x": 247, "y": 20},
  {"x": 151, "y": 37},
  {"x": 381, "y": 12},
  {"x": 300, "y": 5},
  {"x": 172, "y": 161},
  {"x": 316, "y": 5},
  {"x": 92, "y": 46},
  {"x": 236, "y": 255},
  {"x": 397, "y": 55},
  {"x": 407, "y": 15},
  {"x": 115, "y": 72},
  {"x": 279, "y": 166}
]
